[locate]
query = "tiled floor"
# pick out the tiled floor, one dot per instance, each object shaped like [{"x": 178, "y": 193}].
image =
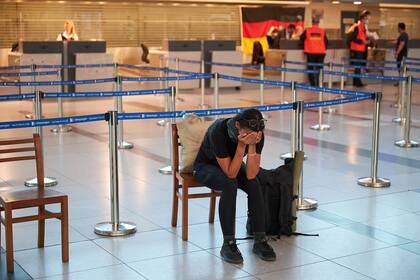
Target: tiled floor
[{"x": 363, "y": 233}]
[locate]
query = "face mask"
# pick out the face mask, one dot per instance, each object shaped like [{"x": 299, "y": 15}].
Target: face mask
[{"x": 232, "y": 130}]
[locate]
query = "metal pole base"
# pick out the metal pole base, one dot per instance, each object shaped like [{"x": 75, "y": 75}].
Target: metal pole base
[
  {"x": 306, "y": 204},
  {"x": 374, "y": 182},
  {"x": 330, "y": 110},
  {"x": 398, "y": 120},
  {"x": 61, "y": 129},
  {"x": 120, "y": 229},
  {"x": 320, "y": 127},
  {"x": 125, "y": 145},
  {"x": 48, "y": 182},
  {"x": 163, "y": 123},
  {"x": 289, "y": 155},
  {"x": 395, "y": 105},
  {"x": 167, "y": 170},
  {"x": 407, "y": 144}
]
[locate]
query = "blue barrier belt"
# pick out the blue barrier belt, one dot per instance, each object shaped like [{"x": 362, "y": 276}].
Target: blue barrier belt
[
  {"x": 184, "y": 60},
  {"x": 255, "y": 81},
  {"x": 181, "y": 78},
  {"x": 24, "y": 74},
  {"x": 176, "y": 114},
  {"x": 46, "y": 66},
  {"x": 366, "y": 67},
  {"x": 52, "y": 121},
  {"x": 292, "y": 70},
  {"x": 334, "y": 91},
  {"x": 12, "y": 97},
  {"x": 372, "y": 77},
  {"x": 413, "y": 58},
  {"x": 56, "y": 83},
  {"x": 17, "y": 67},
  {"x": 416, "y": 80}
]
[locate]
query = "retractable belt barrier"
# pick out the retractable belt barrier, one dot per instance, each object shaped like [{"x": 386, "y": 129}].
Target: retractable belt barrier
[{"x": 25, "y": 74}]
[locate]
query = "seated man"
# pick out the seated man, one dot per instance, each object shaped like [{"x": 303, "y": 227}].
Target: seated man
[{"x": 219, "y": 165}]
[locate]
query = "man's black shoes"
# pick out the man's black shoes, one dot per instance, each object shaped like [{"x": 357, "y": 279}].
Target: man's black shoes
[
  {"x": 263, "y": 250},
  {"x": 230, "y": 252}
]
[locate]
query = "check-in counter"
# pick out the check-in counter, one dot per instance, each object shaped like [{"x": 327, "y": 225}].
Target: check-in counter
[{"x": 234, "y": 57}]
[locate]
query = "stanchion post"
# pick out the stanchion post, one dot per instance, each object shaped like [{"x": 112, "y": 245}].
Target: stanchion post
[
  {"x": 330, "y": 109},
  {"x": 122, "y": 144},
  {"x": 61, "y": 128},
  {"x": 402, "y": 98},
  {"x": 216, "y": 90},
  {"x": 373, "y": 181},
  {"x": 320, "y": 126},
  {"x": 261, "y": 84},
  {"x": 164, "y": 84},
  {"x": 115, "y": 227},
  {"x": 203, "y": 104},
  {"x": 48, "y": 181},
  {"x": 283, "y": 79},
  {"x": 167, "y": 170},
  {"x": 293, "y": 139},
  {"x": 34, "y": 89},
  {"x": 177, "y": 81},
  {"x": 406, "y": 142},
  {"x": 342, "y": 78},
  {"x": 302, "y": 202}
]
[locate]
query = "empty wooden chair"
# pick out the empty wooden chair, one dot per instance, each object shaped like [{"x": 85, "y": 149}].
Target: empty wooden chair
[{"x": 28, "y": 198}]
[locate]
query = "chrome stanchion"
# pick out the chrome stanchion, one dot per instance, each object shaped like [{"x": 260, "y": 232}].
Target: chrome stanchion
[
  {"x": 402, "y": 102},
  {"x": 48, "y": 181},
  {"x": 320, "y": 126},
  {"x": 61, "y": 128},
  {"x": 342, "y": 78},
  {"x": 164, "y": 84},
  {"x": 34, "y": 89},
  {"x": 177, "y": 81},
  {"x": 283, "y": 79},
  {"x": 406, "y": 142},
  {"x": 203, "y": 104},
  {"x": 373, "y": 181},
  {"x": 330, "y": 109},
  {"x": 216, "y": 90},
  {"x": 302, "y": 202},
  {"x": 293, "y": 143},
  {"x": 167, "y": 170},
  {"x": 261, "y": 84},
  {"x": 115, "y": 227},
  {"x": 119, "y": 107}
]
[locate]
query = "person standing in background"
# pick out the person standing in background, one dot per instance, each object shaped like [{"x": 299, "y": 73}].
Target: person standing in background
[
  {"x": 401, "y": 48},
  {"x": 69, "y": 33},
  {"x": 315, "y": 43},
  {"x": 358, "y": 45}
]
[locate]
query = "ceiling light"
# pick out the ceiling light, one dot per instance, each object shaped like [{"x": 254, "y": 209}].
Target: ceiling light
[
  {"x": 336, "y": 2},
  {"x": 396, "y": 5},
  {"x": 357, "y": 2}
]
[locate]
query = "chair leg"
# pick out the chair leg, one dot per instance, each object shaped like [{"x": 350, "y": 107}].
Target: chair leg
[
  {"x": 184, "y": 212},
  {"x": 9, "y": 238},
  {"x": 41, "y": 227},
  {"x": 64, "y": 231},
  {"x": 212, "y": 208},
  {"x": 175, "y": 203}
]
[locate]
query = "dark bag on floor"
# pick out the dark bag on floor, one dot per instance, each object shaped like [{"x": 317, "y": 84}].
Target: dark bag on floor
[{"x": 277, "y": 187}]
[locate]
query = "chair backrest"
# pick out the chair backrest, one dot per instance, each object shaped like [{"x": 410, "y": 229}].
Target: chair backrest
[
  {"x": 20, "y": 148},
  {"x": 175, "y": 148}
]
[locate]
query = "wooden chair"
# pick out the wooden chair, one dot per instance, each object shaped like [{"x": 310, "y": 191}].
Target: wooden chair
[
  {"x": 184, "y": 181},
  {"x": 27, "y": 198}
]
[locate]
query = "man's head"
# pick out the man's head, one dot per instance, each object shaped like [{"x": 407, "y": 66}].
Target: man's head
[
  {"x": 401, "y": 27},
  {"x": 365, "y": 16},
  {"x": 291, "y": 28},
  {"x": 250, "y": 120},
  {"x": 315, "y": 20}
]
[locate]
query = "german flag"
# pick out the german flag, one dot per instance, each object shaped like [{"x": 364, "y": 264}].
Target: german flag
[{"x": 257, "y": 21}]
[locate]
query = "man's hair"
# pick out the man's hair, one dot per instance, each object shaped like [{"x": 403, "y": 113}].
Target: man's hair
[
  {"x": 401, "y": 25},
  {"x": 315, "y": 20},
  {"x": 364, "y": 14},
  {"x": 291, "y": 26},
  {"x": 245, "y": 116}
]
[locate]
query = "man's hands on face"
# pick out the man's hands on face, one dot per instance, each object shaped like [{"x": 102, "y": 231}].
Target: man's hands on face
[{"x": 251, "y": 138}]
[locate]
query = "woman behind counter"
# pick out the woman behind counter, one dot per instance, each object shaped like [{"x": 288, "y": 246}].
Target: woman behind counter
[{"x": 69, "y": 33}]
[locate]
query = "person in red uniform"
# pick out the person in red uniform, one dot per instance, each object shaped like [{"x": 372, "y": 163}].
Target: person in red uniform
[
  {"x": 359, "y": 45},
  {"x": 315, "y": 43}
]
